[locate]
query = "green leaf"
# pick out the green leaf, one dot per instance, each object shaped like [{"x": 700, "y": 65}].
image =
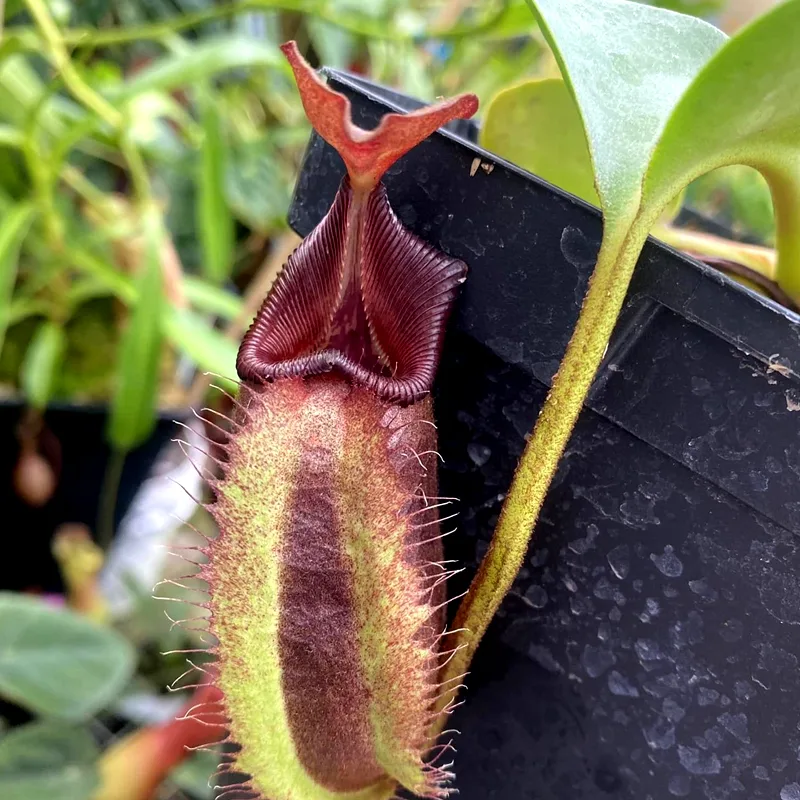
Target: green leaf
[
  {"x": 193, "y": 775},
  {"x": 200, "y": 62},
  {"x": 13, "y": 229},
  {"x": 58, "y": 663},
  {"x": 204, "y": 296},
  {"x": 738, "y": 197},
  {"x": 536, "y": 125},
  {"x": 649, "y": 86},
  {"x": 133, "y": 410},
  {"x": 197, "y": 339},
  {"x": 627, "y": 65},
  {"x": 252, "y": 166},
  {"x": 48, "y": 760},
  {"x": 104, "y": 272},
  {"x": 214, "y": 221},
  {"x": 23, "y": 307},
  {"x": 41, "y": 364},
  {"x": 743, "y": 109}
]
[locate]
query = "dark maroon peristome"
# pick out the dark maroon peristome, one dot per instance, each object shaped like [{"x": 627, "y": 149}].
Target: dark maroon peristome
[{"x": 361, "y": 295}]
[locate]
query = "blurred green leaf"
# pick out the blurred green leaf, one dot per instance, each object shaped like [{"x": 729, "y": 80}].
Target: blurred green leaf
[
  {"x": 13, "y": 229},
  {"x": 22, "y": 93},
  {"x": 334, "y": 46},
  {"x": 48, "y": 760},
  {"x": 56, "y": 662},
  {"x": 42, "y": 361},
  {"x": 198, "y": 63},
  {"x": 193, "y": 775},
  {"x": 104, "y": 272},
  {"x": 205, "y": 346},
  {"x": 133, "y": 410},
  {"x": 215, "y": 225},
  {"x": 737, "y": 197},
  {"x": 204, "y": 296},
  {"x": 627, "y": 65},
  {"x": 536, "y": 124},
  {"x": 742, "y": 109},
  {"x": 255, "y": 188},
  {"x": 11, "y": 136},
  {"x": 23, "y": 307}
]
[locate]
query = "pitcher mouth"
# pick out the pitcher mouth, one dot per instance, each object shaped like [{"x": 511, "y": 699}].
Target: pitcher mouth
[{"x": 361, "y": 296}]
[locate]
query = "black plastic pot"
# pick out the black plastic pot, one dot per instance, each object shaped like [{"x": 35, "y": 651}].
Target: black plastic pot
[
  {"x": 27, "y": 531},
  {"x": 651, "y": 647}
]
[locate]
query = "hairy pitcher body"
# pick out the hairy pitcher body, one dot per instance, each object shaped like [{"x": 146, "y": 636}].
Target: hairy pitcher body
[{"x": 327, "y": 580}]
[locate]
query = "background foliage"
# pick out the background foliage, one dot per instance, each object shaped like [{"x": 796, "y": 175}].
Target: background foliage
[{"x": 147, "y": 155}]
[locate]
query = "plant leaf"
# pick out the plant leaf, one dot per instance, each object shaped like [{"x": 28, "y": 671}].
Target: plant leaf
[
  {"x": 204, "y": 345},
  {"x": 214, "y": 220},
  {"x": 13, "y": 228},
  {"x": 743, "y": 109},
  {"x": 204, "y": 296},
  {"x": 627, "y": 65},
  {"x": 42, "y": 361},
  {"x": 200, "y": 62},
  {"x": 48, "y": 759},
  {"x": 251, "y": 166},
  {"x": 133, "y": 410},
  {"x": 56, "y": 662},
  {"x": 553, "y": 144}
]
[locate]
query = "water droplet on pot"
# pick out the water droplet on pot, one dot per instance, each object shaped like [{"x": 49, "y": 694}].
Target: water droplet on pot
[
  {"x": 576, "y": 248},
  {"x": 791, "y": 791},
  {"x": 479, "y": 453},
  {"x": 544, "y": 658},
  {"x": 672, "y": 711},
  {"x": 668, "y": 563},
  {"x": 536, "y": 596},
  {"x": 648, "y": 650},
  {"x": 736, "y": 725},
  {"x": 699, "y": 763},
  {"x": 660, "y": 735},
  {"x": 706, "y": 696},
  {"x": 619, "y": 559},
  {"x": 596, "y": 660},
  {"x": 731, "y": 630},
  {"x": 703, "y": 589},
  {"x": 570, "y": 584},
  {"x": 761, "y": 773},
  {"x": 680, "y": 785},
  {"x": 619, "y": 685}
]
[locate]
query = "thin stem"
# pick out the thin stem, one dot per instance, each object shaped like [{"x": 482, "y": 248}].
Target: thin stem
[
  {"x": 536, "y": 469},
  {"x": 83, "y": 187},
  {"x": 706, "y": 245},
  {"x": 137, "y": 169},
  {"x": 751, "y": 276},
  {"x": 784, "y": 183},
  {"x": 108, "y": 498},
  {"x": 61, "y": 60}
]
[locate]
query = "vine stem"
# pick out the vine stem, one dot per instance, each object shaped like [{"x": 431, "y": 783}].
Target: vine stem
[
  {"x": 760, "y": 259},
  {"x": 608, "y": 286},
  {"x": 61, "y": 60}
]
